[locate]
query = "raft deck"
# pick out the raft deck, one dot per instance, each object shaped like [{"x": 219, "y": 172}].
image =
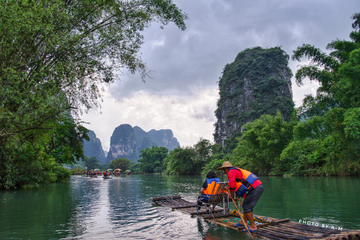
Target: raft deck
[{"x": 270, "y": 228}]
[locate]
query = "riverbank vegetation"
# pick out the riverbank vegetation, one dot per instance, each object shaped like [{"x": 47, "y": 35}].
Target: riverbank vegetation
[
  {"x": 121, "y": 163},
  {"x": 78, "y": 171},
  {"x": 54, "y": 56},
  {"x": 328, "y": 140}
]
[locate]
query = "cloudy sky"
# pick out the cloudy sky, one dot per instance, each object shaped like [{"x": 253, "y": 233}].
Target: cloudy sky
[{"x": 187, "y": 65}]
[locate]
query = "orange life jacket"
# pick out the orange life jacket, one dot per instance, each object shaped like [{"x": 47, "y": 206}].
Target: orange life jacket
[
  {"x": 244, "y": 184},
  {"x": 210, "y": 187}
]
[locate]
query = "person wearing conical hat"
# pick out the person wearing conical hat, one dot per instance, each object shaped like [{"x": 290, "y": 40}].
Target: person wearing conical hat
[{"x": 247, "y": 185}]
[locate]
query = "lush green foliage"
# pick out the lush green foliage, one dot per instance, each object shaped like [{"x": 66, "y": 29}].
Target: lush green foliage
[
  {"x": 262, "y": 142},
  {"x": 64, "y": 142},
  {"x": 122, "y": 163},
  {"x": 151, "y": 159},
  {"x": 20, "y": 169},
  {"x": 92, "y": 163},
  {"x": 215, "y": 162},
  {"x": 180, "y": 161},
  {"x": 53, "y": 56},
  {"x": 190, "y": 160},
  {"x": 34, "y": 157},
  {"x": 333, "y": 124}
]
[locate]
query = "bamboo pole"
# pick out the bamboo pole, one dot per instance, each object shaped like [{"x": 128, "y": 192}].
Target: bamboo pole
[{"x": 242, "y": 218}]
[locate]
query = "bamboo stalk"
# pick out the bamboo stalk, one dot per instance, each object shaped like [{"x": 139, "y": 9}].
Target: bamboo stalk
[
  {"x": 216, "y": 216},
  {"x": 165, "y": 198},
  {"x": 185, "y": 206},
  {"x": 242, "y": 218}
]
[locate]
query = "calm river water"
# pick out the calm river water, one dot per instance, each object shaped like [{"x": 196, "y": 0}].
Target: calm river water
[{"x": 121, "y": 208}]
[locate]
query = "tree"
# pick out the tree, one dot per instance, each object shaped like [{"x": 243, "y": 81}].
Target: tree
[
  {"x": 122, "y": 163},
  {"x": 192, "y": 160},
  {"x": 262, "y": 142},
  {"x": 55, "y": 53},
  {"x": 39, "y": 161},
  {"x": 53, "y": 57},
  {"x": 333, "y": 113},
  {"x": 203, "y": 149},
  {"x": 151, "y": 160},
  {"x": 91, "y": 163},
  {"x": 181, "y": 161},
  {"x": 65, "y": 140},
  {"x": 337, "y": 72}
]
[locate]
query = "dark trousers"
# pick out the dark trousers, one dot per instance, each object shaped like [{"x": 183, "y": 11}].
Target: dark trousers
[
  {"x": 200, "y": 201},
  {"x": 252, "y": 198}
]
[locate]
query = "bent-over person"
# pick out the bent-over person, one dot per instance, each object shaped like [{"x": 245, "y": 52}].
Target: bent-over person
[{"x": 246, "y": 185}]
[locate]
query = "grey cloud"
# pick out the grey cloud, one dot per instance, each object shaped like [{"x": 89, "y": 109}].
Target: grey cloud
[
  {"x": 206, "y": 113},
  {"x": 218, "y": 30}
]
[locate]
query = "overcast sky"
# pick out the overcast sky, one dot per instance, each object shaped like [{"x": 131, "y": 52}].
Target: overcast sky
[{"x": 187, "y": 65}]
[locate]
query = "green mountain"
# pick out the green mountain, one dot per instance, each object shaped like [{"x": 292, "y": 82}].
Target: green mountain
[{"x": 258, "y": 82}]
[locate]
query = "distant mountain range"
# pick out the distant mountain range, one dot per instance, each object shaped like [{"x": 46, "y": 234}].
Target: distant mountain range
[{"x": 127, "y": 142}]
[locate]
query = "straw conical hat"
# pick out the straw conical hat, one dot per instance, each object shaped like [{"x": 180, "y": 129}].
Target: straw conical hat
[{"x": 226, "y": 164}]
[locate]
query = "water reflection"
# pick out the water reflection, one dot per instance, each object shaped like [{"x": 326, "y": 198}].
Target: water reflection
[
  {"x": 96, "y": 208},
  {"x": 36, "y": 213},
  {"x": 319, "y": 200}
]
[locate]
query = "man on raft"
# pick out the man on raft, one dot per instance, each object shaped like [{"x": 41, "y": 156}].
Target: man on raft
[{"x": 246, "y": 185}]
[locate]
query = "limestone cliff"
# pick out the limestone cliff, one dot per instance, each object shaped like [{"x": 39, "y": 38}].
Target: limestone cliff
[
  {"x": 258, "y": 82},
  {"x": 122, "y": 144},
  {"x": 164, "y": 138},
  {"x": 143, "y": 140},
  {"x": 127, "y": 142},
  {"x": 93, "y": 148}
]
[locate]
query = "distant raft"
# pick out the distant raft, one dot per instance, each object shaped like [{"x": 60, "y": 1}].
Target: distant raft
[
  {"x": 117, "y": 172},
  {"x": 268, "y": 228}
]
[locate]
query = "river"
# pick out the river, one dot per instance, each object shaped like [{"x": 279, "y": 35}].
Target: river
[{"x": 121, "y": 208}]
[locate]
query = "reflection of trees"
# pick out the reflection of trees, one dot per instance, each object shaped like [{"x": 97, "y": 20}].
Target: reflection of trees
[
  {"x": 45, "y": 212},
  {"x": 321, "y": 199},
  {"x": 164, "y": 185}
]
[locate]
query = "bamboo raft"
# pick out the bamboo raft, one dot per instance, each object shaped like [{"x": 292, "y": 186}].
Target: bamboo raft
[{"x": 270, "y": 228}]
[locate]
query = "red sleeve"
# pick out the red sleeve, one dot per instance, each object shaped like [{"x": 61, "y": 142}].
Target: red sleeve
[
  {"x": 232, "y": 174},
  {"x": 256, "y": 183}
]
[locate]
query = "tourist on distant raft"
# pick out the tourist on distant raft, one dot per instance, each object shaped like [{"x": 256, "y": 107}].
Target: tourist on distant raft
[
  {"x": 206, "y": 189},
  {"x": 246, "y": 185}
]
